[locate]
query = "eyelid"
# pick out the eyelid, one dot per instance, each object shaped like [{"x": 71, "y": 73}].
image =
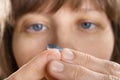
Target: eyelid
[
  {"x": 27, "y": 24},
  {"x": 97, "y": 23},
  {"x": 32, "y": 19},
  {"x": 30, "y": 28},
  {"x": 90, "y": 24}
]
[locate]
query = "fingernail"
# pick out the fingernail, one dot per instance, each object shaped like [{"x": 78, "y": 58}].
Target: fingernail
[
  {"x": 67, "y": 54},
  {"x": 53, "y": 54},
  {"x": 56, "y": 50},
  {"x": 57, "y": 66},
  {"x": 116, "y": 66}
]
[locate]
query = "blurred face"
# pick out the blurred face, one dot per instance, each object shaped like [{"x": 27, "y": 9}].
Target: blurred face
[{"x": 87, "y": 30}]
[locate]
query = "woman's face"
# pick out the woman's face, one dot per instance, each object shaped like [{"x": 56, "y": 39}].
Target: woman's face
[{"x": 87, "y": 30}]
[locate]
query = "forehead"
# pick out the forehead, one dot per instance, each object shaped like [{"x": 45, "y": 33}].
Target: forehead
[
  {"x": 77, "y": 5},
  {"x": 52, "y": 6}
]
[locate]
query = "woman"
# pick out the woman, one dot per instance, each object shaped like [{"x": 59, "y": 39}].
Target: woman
[{"x": 89, "y": 28}]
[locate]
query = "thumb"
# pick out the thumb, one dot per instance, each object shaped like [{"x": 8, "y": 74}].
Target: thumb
[{"x": 35, "y": 69}]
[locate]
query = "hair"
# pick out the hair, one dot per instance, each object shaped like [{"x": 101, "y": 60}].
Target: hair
[
  {"x": 5, "y": 8},
  {"x": 23, "y": 7},
  {"x": 4, "y": 12}
]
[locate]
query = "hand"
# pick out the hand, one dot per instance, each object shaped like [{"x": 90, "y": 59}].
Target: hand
[
  {"x": 80, "y": 66},
  {"x": 35, "y": 69}
]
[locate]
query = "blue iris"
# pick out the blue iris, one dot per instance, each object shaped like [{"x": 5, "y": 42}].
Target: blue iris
[
  {"x": 87, "y": 25},
  {"x": 36, "y": 27}
]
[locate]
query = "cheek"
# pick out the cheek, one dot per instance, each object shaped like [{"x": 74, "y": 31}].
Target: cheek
[
  {"x": 25, "y": 49},
  {"x": 100, "y": 45}
]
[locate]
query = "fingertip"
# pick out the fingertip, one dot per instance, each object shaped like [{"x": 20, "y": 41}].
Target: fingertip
[
  {"x": 53, "y": 54},
  {"x": 55, "y": 68},
  {"x": 67, "y": 54}
]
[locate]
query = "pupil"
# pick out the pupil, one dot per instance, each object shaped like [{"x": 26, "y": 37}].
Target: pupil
[
  {"x": 86, "y": 25},
  {"x": 37, "y": 27}
]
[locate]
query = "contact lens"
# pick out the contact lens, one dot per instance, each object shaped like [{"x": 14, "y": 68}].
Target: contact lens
[{"x": 54, "y": 46}]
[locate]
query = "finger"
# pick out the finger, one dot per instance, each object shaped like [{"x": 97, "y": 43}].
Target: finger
[
  {"x": 66, "y": 71},
  {"x": 35, "y": 69},
  {"x": 90, "y": 62}
]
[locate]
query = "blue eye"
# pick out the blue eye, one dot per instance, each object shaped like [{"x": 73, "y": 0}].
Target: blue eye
[
  {"x": 87, "y": 25},
  {"x": 37, "y": 27}
]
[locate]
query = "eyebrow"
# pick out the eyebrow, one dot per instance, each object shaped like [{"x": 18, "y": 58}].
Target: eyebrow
[
  {"x": 90, "y": 9},
  {"x": 27, "y": 18}
]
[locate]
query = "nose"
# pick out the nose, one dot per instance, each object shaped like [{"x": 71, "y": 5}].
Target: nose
[{"x": 59, "y": 39}]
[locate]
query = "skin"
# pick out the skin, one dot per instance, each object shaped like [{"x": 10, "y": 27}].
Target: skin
[
  {"x": 64, "y": 22},
  {"x": 89, "y": 49}
]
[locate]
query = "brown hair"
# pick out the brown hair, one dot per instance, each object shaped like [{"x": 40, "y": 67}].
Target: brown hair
[
  {"x": 22, "y": 7},
  {"x": 5, "y": 9}
]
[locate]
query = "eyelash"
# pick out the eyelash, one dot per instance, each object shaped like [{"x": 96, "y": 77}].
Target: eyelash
[
  {"x": 83, "y": 25},
  {"x": 37, "y": 27},
  {"x": 87, "y": 25}
]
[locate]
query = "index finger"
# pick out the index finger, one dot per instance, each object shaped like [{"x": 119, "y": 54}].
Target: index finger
[{"x": 91, "y": 62}]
